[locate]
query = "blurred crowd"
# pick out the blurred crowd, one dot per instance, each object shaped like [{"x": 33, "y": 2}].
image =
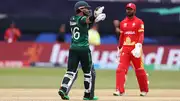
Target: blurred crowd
[
  {"x": 48, "y": 22},
  {"x": 13, "y": 34}
]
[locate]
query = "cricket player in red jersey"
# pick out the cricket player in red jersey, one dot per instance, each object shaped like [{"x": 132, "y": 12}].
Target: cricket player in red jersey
[{"x": 130, "y": 46}]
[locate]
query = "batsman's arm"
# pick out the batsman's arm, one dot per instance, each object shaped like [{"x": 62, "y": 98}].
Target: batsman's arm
[
  {"x": 87, "y": 20},
  {"x": 141, "y": 32}
]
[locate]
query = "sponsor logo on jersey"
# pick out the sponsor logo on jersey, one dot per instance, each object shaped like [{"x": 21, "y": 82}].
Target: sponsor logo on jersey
[
  {"x": 73, "y": 23},
  {"x": 130, "y": 32}
]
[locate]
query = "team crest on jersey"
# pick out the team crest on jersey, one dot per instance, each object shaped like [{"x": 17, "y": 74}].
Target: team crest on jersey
[
  {"x": 125, "y": 25},
  {"x": 133, "y": 24}
]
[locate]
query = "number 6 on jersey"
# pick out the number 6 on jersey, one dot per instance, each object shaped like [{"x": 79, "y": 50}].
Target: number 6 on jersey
[{"x": 75, "y": 33}]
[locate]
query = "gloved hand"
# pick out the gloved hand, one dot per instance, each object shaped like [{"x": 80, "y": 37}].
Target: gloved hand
[
  {"x": 98, "y": 11},
  {"x": 136, "y": 52},
  {"x": 100, "y": 17}
]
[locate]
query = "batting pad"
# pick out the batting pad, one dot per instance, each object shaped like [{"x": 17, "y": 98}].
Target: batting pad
[{"x": 87, "y": 82}]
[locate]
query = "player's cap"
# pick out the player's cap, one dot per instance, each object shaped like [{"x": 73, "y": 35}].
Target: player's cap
[
  {"x": 81, "y": 4},
  {"x": 131, "y": 5}
]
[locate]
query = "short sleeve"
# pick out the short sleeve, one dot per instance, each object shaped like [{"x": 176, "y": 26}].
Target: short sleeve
[{"x": 141, "y": 27}]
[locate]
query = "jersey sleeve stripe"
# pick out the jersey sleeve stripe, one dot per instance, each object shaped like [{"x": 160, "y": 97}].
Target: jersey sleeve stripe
[{"x": 141, "y": 30}]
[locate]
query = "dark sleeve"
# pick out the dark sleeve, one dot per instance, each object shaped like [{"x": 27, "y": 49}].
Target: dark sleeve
[
  {"x": 92, "y": 18},
  {"x": 82, "y": 20}
]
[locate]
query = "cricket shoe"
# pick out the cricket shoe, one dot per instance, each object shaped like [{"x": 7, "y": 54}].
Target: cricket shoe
[
  {"x": 63, "y": 95},
  {"x": 143, "y": 93},
  {"x": 94, "y": 98},
  {"x": 117, "y": 93}
]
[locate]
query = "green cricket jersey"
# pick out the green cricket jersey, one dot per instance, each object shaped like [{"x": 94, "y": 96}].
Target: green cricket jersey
[{"x": 79, "y": 30}]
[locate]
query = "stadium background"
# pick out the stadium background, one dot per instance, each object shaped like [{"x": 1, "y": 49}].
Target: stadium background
[{"x": 37, "y": 61}]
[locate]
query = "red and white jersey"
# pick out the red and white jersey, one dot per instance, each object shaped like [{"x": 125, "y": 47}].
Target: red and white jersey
[{"x": 132, "y": 31}]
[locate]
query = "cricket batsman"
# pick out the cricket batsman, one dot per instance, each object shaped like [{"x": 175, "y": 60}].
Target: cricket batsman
[
  {"x": 130, "y": 51},
  {"x": 79, "y": 50}
]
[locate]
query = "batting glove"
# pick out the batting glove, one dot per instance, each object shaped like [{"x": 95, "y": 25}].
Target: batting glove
[
  {"x": 98, "y": 11},
  {"x": 136, "y": 52},
  {"x": 100, "y": 17}
]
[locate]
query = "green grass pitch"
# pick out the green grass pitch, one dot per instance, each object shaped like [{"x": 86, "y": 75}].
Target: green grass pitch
[{"x": 51, "y": 78}]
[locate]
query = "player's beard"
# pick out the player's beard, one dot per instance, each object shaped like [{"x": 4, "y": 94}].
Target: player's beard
[
  {"x": 130, "y": 14},
  {"x": 87, "y": 12}
]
